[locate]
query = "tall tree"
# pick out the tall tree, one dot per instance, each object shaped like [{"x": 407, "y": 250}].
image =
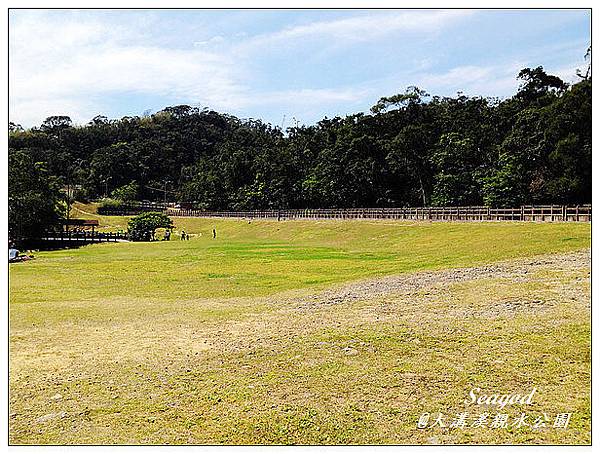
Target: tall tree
[{"x": 34, "y": 197}]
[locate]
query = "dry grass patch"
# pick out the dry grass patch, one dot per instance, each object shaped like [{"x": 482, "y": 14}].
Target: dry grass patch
[{"x": 333, "y": 367}]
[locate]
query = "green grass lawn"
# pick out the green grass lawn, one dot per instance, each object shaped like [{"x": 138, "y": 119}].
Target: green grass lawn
[
  {"x": 187, "y": 342},
  {"x": 264, "y": 257}
]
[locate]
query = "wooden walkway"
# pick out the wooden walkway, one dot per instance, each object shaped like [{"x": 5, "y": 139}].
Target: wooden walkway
[{"x": 80, "y": 238}]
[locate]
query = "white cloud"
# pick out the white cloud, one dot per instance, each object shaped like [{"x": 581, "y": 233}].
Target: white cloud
[
  {"x": 214, "y": 40},
  {"x": 568, "y": 73},
  {"x": 360, "y": 28},
  {"x": 474, "y": 80},
  {"x": 71, "y": 64},
  {"x": 67, "y": 65},
  {"x": 498, "y": 80},
  {"x": 32, "y": 111},
  {"x": 306, "y": 96}
]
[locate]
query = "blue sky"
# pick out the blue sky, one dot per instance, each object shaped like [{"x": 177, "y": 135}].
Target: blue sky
[{"x": 301, "y": 64}]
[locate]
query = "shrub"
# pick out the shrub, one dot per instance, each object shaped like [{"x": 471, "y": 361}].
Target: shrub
[
  {"x": 143, "y": 226},
  {"x": 109, "y": 206}
]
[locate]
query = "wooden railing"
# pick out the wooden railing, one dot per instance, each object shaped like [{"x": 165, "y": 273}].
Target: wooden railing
[
  {"x": 85, "y": 237},
  {"x": 540, "y": 213}
]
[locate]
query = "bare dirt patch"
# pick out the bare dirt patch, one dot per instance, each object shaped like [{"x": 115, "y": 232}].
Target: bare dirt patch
[{"x": 516, "y": 271}]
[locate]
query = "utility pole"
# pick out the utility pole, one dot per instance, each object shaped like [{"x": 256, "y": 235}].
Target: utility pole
[
  {"x": 105, "y": 181},
  {"x": 165, "y": 183}
]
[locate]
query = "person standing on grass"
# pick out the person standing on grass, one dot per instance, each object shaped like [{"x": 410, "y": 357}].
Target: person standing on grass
[
  {"x": 182, "y": 235},
  {"x": 167, "y": 235},
  {"x": 214, "y": 233}
]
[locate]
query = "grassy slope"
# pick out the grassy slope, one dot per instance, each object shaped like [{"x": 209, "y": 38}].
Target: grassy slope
[
  {"x": 144, "y": 344},
  {"x": 264, "y": 257}
]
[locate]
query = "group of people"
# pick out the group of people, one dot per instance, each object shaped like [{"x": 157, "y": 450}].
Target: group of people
[{"x": 186, "y": 236}]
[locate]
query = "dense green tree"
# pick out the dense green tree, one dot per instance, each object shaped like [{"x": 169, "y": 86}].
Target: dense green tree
[
  {"x": 34, "y": 197},
  {"x": 126, "y": 193},
  {"x": 458, "y": 165}
]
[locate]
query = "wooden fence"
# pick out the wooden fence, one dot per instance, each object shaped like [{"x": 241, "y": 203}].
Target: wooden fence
[{"x": 540, "y": 213}]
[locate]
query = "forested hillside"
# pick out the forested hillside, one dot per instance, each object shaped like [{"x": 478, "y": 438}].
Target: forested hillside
[{"x": 412, "y": 149}]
